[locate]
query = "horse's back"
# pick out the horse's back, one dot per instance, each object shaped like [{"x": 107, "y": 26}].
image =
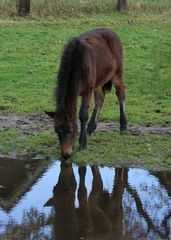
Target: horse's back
[
  {"x": 103, "y": 34},
  {"x": 106, "y": 51}
]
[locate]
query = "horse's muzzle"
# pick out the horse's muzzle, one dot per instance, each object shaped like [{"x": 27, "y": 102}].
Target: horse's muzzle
[
  {"x": 66, "y": 152},
  {"x": 66, "y": 155}
]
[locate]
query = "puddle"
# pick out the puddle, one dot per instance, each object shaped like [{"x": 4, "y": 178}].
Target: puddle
[{"x": 40, "y": 200}]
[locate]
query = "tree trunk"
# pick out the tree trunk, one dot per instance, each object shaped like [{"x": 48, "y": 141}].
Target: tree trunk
[
  {"x": 122, "y": 5},
  {"x": 24, "y": 7}
]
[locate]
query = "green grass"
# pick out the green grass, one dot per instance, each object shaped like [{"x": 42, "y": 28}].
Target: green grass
[
  {"x": 109, "y": 149},
  {"x": 30, "y": 56}
]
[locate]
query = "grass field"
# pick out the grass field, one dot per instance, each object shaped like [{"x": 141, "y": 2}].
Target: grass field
[{"x": 30, "y": 56}]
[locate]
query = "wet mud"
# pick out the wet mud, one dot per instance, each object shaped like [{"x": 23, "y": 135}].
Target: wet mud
[
  {"x": 60, "y": 201},
  {"x": 39, "y": 122}
]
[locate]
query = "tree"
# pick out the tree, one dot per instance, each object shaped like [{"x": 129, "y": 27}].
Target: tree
[
  {"x": 122, "y": 5},
  {"x": 24, "y": 7}
]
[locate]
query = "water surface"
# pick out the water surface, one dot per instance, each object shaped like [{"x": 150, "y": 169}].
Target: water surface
[{"x": 41, "y": 200}]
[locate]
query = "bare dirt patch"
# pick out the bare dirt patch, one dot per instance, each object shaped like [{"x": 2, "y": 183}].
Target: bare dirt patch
[{"x": 39, "y": 122}]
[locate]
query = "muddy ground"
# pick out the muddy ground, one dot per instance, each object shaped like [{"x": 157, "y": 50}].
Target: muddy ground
[
  {"x": 36, "y": 123},
  {"x": 40, "y": 122}
]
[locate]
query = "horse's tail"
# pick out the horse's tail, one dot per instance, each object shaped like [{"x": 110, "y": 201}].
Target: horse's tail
[{"x": 107, "y": 87}]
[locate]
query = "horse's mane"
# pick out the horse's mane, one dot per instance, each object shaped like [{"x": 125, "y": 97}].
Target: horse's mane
[{"x": 64, "y": 73}]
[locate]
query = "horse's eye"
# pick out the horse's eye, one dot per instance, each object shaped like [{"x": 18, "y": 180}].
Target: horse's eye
[
  {"x": 69, "y": 130},
  {"x": 56, "y": 130},
  {"x": 59, "y": 131}
]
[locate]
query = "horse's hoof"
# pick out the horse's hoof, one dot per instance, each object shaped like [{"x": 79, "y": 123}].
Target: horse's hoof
[
  {"x": 89, "y": 131},
  {"x": 123, "y": 131},
  {"x": 91, "y": 128},
  {"x": 82, "y": 147}
]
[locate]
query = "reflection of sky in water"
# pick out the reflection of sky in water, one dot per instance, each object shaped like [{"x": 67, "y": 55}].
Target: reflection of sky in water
[
  {"x": 45, "y": 229},
  {"x": 129, "y": 203},
  {"x": 37, "y": 196},
  {"x": 154, "y": 198}
]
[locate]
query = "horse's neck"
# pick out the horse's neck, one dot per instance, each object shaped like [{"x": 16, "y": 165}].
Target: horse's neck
[{"x": 70, "y": 102}]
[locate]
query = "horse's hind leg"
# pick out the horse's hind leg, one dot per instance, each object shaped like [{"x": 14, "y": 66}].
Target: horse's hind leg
[
  {"x": 120, "y": 92},
  {"x": 99, "y": 96}
]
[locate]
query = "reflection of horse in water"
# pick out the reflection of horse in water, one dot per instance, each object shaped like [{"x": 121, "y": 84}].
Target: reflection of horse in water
[
  {"x": 99, "y": 215},
  {"x": 65, "y": 224},
  {"x": 105, "y": 210}
]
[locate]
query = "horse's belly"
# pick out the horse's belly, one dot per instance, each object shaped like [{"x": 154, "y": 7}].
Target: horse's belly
[{"x": 104, "y": 76}]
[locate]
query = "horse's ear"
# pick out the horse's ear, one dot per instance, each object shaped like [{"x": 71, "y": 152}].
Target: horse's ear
[
  {"x": 50, "y": 114},
  {"x": 68, "y": 116},
  {"x": 49, "y": 203}
]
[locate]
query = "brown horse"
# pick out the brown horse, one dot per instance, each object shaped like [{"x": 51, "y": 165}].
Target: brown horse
[{"x": 90, "y": 63}]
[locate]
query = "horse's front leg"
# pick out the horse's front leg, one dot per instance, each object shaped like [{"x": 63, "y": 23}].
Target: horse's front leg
[
  {"x": 83, "y": 115},
  {"x": 99, "y": 95}
]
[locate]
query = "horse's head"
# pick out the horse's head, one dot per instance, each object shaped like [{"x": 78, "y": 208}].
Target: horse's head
[{"x": 66, "y": 128}]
